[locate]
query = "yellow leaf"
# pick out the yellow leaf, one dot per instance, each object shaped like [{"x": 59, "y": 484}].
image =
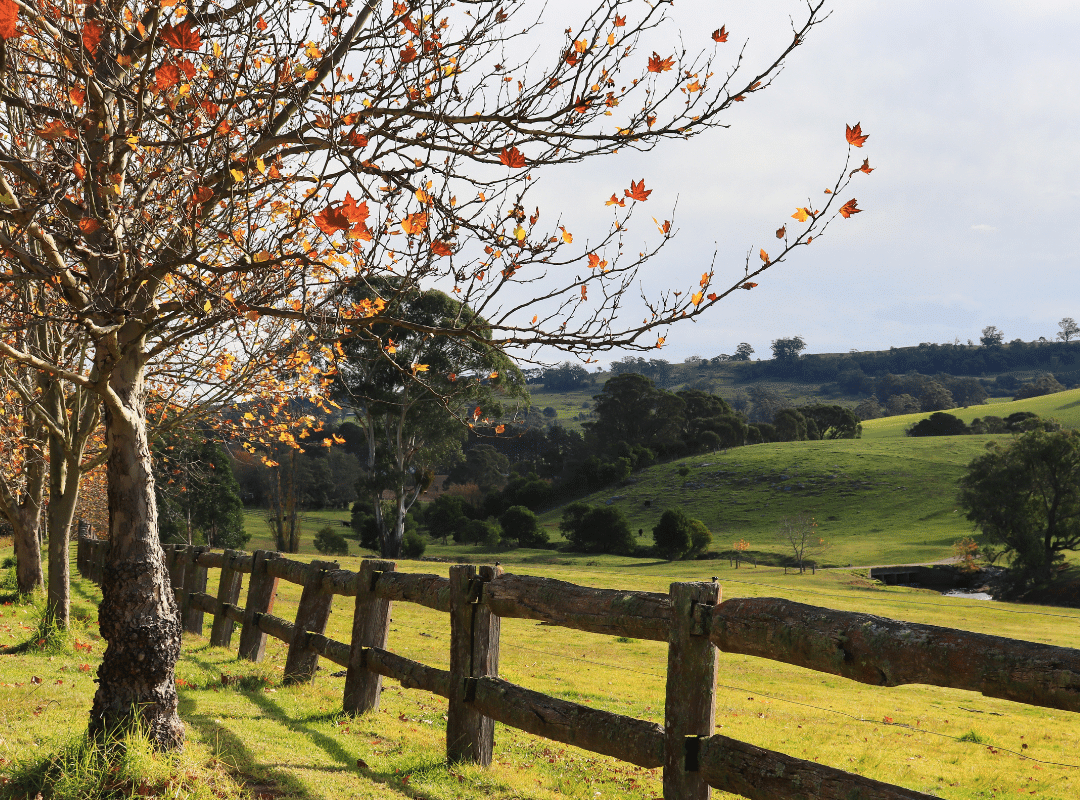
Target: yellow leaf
[
  {"x": 519, "y": 233},
  {"x": 493, "y": 375},
  {"x": 261, "y": 256},
  {"x": 207, "y": 307},
  {"x": 260, "y": 165},
  {"x": 249, "y": 416},
  {"x": 697, "y": 298},
  {"x": 419, "y": 368},
  {"x": 422, "y": 196},
  {"x": 238, "y": 175},
  {"x": 566, "y": 235},
  {"x": 801, "y": 214},
  {"x": 217, "y": 50},
  {"x": 764, "y": 255},
  {"x": 311, "y": 75}
]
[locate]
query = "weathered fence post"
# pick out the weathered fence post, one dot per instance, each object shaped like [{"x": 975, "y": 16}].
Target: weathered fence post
[
  {"x": 194, "y": 582},
  {"x": 371, "y": 624},
  {"x": 228, "y": 593},
  {"x": 260, "y": 600},
  {"x": 97, "y": 560},
  {"x": 690, "y": 705},
  {"x": 81, "y": 548},
  {"x": 311, "y": 617},
  {"x": 474, "y": 653},
  {"x": 174, "y": 563}
]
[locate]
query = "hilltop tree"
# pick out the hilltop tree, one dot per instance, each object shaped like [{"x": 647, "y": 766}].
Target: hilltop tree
[
  {"x": 788, "y": 349},
  {"x": 181, "y": 182},
  {"x": 743, "y": 352},
  {"x": 992, "y": 336},
  {"x": 1069, "y": 329}
]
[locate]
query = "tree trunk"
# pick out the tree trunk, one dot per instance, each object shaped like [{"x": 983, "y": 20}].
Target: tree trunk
[
  {"x": 26, "y": 524},
  {"x": 138, "y": 616},
  {"x": 63, "y": 497}
]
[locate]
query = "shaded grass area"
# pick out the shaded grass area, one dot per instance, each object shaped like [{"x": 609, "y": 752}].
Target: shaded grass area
[{"x": 250, "y": 736}]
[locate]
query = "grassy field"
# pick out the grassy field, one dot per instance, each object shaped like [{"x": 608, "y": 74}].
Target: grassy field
[
  {"x": 1062, "y": 406},
  {"x": 246, "y": 730}
]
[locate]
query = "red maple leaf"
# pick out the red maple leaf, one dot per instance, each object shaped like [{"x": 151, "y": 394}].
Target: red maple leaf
[
  {"x": 166, "y": 76},
  {"x": 512, "y": 158},
  {"x": 637, "y": 191},
  {"x": 748, "y": 286},
  {"x": 657, "y": 64},
  {"x": 849, "y": 208},
  {"x": 181, "y": 37},
  {"x": 615, "y": 201},
  {"x": 619, "y": 21},
  {"x": 54, "y": 130},
  {"x": 408, "y": 54},
  {"x": 441, "y": 248},
  {"x": 720, "y": 35},
  {"x": 9, "y": 19},
  {"x": 331, "y": 220},
  {"x": 855, "y": 136},
  {"x": 91, "y": 35},
  {"x": 88, "y": 225}
]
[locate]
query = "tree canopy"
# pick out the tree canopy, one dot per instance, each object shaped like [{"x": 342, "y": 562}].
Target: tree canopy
[{"x": 1025, "y": 497}]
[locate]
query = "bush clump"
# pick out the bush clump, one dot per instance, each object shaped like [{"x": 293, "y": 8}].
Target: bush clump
[
  {"x": 331, "y": 542},
  {"x": 413, "y": 545},
  {"x": 596, "y": 530},
  {"x": 672, "y": 534}
]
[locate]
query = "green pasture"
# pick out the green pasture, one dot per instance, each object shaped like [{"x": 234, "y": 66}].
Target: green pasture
[
  {"x": 249, "y": 735},
  {"x": 1062, "y": 406},
  {"x": 875, "y": 502}
]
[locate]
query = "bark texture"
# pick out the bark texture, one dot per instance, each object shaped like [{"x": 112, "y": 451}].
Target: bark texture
[{"x": 138, "y": 616}]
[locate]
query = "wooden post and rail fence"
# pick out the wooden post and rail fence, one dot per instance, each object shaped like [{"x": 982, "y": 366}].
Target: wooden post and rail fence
[{"x": 691, "y": 619}]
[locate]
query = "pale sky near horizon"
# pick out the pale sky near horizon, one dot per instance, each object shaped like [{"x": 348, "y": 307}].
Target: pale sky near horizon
[{"x": 973, "y": 111}]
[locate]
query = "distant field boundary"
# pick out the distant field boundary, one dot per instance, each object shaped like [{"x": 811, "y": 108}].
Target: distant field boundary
[{"x": 691, "y": 619}]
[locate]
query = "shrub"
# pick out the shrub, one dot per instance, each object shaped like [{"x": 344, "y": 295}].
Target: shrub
[
  {"x": 700, "y": 537},
  {"x": 938, "y": 424},
  {"x": 520, "y": 523},
  {"x": 413, "y": 545},
  {"x": 672, "y": 534},
  {"x": 684, "y": 471},
  {"x": 330, "y": 542},
  {"x": 597, "y": 530},
  {"x": 480, "y": 531}
]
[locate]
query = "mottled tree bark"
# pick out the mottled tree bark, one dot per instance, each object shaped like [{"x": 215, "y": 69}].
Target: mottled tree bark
[
  {"x": 138, "y": 616},
  {"x": 24, "y": 514}
]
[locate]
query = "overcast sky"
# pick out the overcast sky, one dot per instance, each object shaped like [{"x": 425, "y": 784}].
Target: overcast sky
[{"x": 970, "y": 217}]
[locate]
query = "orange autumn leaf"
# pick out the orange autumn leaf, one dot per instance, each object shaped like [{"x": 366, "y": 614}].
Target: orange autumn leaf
[
  {"x": 414, "y": 223},
  {"x": 704, "y": 280},
  {"x": 202, "y": 194},
  {"x": 849, "y": 208},
  {"x": 500, "y": 428},
  {"x": 619, "y": 21},
  {"x": 76, "y": 96},
  {"x": 512, "y": 158},
  {"x": 166, "y": 76},
  {"x": 657, "y": 64},
  {"x": 712, "y": 296},
  {"x": 535, "y": 317},
  {"x": 331, "y": 220},
  {"x": 664, "y": 227},
  {"x": 696, "y": 298},
  {"x": 581, "y": 45},
  {"x": 828, "y": 191},
  {"x": 748, "y": 286},
  {"x": 781, "y": 232},
  {"x": 764, "y": 256},
  {"x": 581, "y": 106},
  {"x": 181, "y": 37},
  {"x": 55, "y": 130},
  {"x": 637, "y": 191},
  {"x": 441, "y": 248},
  {"x": 855, "y": 136},
  {"x": 660, "y": 342},
  {"x": 801, "y": 214},
  {"x": 91, "y": 35},
  {"x": 88, "y": 225},
  {"x": 567, "y": 237},
  {"x": 865, "y": 167},
  {"x": 79, "y": 170},
  {"x": 261, "y": 24},
  {"x": 720, "y": 35},
  {"x": 615, "y": 201},
  {"x": 584, "y": 293},
  {"x": 355, "y": 139},
  {"x": 596, "y": 263},
  {"x": 9, "y": 19},
  {"x": 476, "y": 413},
  {"x": 408, "y": 54}
]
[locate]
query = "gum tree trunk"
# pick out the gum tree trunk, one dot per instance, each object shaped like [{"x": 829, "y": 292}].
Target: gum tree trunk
[
  {"x": 24, "y": 514},
  {"x": 138, "y": 614}
]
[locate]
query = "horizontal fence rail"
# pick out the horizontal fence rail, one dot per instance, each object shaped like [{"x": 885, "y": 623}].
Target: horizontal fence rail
[{"x": 691, "y": 618}]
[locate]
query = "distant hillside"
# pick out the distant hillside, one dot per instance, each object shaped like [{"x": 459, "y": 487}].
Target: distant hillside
[
  {"x": 876, "y": 502},
  {"x": 1062, "y": 406}
]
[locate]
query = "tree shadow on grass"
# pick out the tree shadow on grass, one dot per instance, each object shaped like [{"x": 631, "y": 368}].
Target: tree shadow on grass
[{"x": 270, "y": 780}]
